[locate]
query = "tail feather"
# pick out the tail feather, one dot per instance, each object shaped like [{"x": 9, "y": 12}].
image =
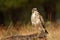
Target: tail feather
[{"x": 45, "y": 29}]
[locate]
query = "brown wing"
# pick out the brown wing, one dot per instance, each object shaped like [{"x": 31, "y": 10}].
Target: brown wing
[{"x": 41, "y": 19}]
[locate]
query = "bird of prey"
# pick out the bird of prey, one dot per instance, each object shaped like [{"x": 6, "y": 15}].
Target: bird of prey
[{"x": 37, "y": 20}]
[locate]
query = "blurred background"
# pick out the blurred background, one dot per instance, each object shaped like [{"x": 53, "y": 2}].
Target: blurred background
[
  {"x": 20, "y": 10},
  {"x": 15, "y": 17}
]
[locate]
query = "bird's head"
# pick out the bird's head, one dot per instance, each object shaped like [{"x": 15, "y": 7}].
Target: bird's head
[{"x": 34, "y": 9}]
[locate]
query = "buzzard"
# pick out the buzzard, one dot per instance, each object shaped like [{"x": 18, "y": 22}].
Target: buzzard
[{"x": 37, "y": 20}]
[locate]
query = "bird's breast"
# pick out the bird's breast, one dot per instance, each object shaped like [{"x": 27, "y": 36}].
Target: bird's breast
[{"x": 35, "y": 19}]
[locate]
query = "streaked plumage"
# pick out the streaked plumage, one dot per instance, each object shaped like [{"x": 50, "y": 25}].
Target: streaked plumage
[{"x": 37, "y": 19}]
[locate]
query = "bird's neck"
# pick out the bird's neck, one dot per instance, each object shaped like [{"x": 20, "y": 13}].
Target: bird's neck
[{"x": 34, "y": 12}]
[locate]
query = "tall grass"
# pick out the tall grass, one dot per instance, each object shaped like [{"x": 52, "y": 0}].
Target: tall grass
[{"x": 26, "y": 29}]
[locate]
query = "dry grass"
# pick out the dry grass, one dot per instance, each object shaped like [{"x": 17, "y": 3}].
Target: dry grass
[
  {"x": 54, "y": 31},
  {"x": 52, "y": 28}
]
